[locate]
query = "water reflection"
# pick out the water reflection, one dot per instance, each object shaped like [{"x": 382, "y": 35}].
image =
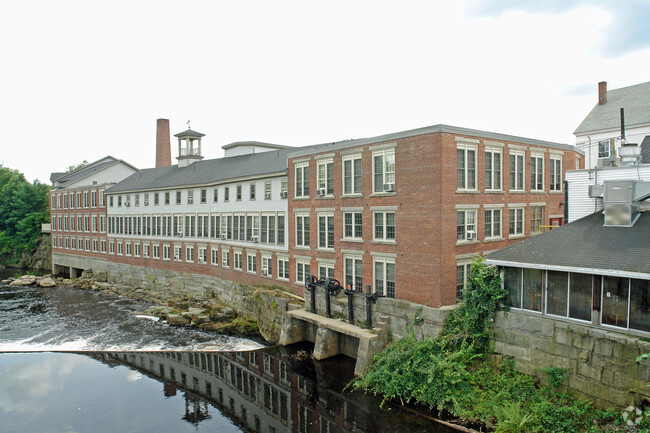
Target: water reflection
[{"x": 269, "y": 390}]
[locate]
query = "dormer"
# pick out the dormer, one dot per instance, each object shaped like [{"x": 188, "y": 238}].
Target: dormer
[{"x": 189, "y": 147}]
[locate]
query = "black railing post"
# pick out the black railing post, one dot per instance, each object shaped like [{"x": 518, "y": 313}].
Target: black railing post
[
  {"x": 370, "y": 299},
  {"x": 310, "y": 285},
  {"x": 350, "y": 295},
  {"x": 333, "y": 287}
]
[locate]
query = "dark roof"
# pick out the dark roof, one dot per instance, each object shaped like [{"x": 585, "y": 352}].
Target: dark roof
[
  {"x": 585, "y": 245},
  {"x": 205, "y": 172},
  {"x": 344, "y": 144},
  {"x": 254, "y": 143},
  {"x": 189, "y": 133},
  {"x": 55, "y": 176},
  {"x": 634, "y": 99}
]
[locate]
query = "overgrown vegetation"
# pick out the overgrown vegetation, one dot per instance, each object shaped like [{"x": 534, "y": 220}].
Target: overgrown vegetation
[
  {"x": 23, "y": 208},
  {"x": 455, "y": 373}
]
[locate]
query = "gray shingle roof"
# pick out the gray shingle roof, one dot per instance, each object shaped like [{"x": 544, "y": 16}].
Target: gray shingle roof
[
  {"x": 205, "y": 172},
  {"x": 634, "y": 99},
  {"x": 585, "y": 244}
]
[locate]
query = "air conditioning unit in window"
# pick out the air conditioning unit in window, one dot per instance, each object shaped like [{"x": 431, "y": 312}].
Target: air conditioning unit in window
[
  {"x": 283, "y": 194},
  {"x": 471, "y": 235},
  {"x": 265, "y": 272},
  {"x": 267, "y": 196},
  {"x": 255, "y": 239},
  {"x": 389, "y": 187},
  {"x": 180, "y": 234},
  {"x": 320, "y": 192},
  {"x": 127, "y": 204},
  {"x": 223, "y": 237}
]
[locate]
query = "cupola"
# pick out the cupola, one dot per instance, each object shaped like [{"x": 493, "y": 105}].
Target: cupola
[{"x": 189, "y": 147}]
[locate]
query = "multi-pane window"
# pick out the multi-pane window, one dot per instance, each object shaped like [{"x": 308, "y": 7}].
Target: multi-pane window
[
  {"x": 302, "y": 270},
  {"x": 225, "y": 258},
  {"x": 156, "y": 198},
  {"x": 462, "y": 273},
  {"x": 384, "y": 226},
  {"x": 178, "y": 197},
  {"x": 465, "y": 166},
  {"x": 283, "y": 268},
  {"x": 493, "y": 169},
  {"x": 353, "y": 271},
  {"x": 237, "y": 260},
  {"x": 145, "y": 250},
  {"x": 465, "y": 225},
  {"x": 516, "y": 170},
  {"x": 280, "y": 237},
  {"x": 177, "y": 253},
  {"x": 146, "y": 199},
  {"x": 524, "y": 288},
  {"x": 385, "y": 277},
  {"x": 137, "y": 200},
  {"x": 203, "y": 253},
  {"x": 156, "y": 251},
  {"x": 214, "y": 256},
  {"x": 516, "y": 217},
  {"x": 267, "y": 190},
  {"x": 302, "y": 179},
  {"x": 226, "y": 193},
  {"x": 204, "y": 196},
  {"x": 603, "y": 149},
  {"x": 353, "y": 225},
  {"x": 93, "y": 198},
  {"x": 203, "y": 223},
  {"x": 556, "y": 173},
  {"x": 167, "y": 199},
  {"x": 302, "y": 230},
  {"x": 325, "y": 270},
  {"x": 537, "y": 172},
  {"x": 136, "y": 249},
  {"x": 190, "y": 196},
  {"x": 326, "y": 177},
  {"x": 492, "y": 223},
  {"x": 251, "y": 263},
  {"x": 267, "y": 229},
  {"x": 383, "y": 170},
  {"x": 326, "y": 231},
  {"x": 536, "y": 218},
  {"x": 251, "y": 191},
  {"x": 238, "y": 193},
  {"x": 215, "y": 195},
  {"x": 352, "y": 174},
  {"x": 85, "y": 198},
  {"x": 267, "y": 265}
]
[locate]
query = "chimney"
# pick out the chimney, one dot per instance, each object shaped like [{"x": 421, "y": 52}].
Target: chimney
[
  {"x": 602, "y": 92},
  {"x": 163, "y": 144}
]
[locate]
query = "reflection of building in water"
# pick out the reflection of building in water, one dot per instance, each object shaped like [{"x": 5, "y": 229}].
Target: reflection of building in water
[{"x": 259, "y": 391}]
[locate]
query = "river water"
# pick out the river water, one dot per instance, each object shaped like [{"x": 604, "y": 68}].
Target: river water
[{"x": 73, "y": 360}]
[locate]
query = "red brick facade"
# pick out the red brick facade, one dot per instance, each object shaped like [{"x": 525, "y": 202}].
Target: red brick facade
[{"x": 426, "y": 203}]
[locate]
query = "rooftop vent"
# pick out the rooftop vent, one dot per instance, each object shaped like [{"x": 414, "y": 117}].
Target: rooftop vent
[{"x": 621, "y": 200}]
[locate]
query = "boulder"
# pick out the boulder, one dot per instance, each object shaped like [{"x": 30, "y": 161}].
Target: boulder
[
  {"x": 25, "y": 280},
  {"x": 177, "y": 320},
  {"x": 45, "y": 282}
]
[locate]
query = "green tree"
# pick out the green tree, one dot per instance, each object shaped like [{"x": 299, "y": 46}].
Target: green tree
[{"x": 72, "y": 168}]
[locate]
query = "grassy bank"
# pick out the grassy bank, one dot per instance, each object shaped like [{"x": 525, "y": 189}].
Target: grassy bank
[{"x": 456, "y": 374}]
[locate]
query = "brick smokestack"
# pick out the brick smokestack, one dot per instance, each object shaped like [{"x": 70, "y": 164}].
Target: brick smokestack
[
  {"x": 602, "y": 92},
  {"x": 163, "y": 144}
]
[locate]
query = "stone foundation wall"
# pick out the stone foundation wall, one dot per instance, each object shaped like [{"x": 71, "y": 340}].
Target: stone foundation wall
[
  {"x": 267, "y": 307},
  {"x": 601, "y": 363}
]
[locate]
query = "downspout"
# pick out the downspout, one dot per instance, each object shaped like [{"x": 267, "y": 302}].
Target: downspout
[{"x": 566, "y": 201}]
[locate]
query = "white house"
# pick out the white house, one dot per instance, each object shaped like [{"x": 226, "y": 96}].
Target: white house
[{"x": 600, "y": 134}]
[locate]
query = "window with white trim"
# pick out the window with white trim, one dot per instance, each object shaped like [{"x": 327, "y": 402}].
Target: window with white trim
[
  {"x": 465, "y": 225},
  {"x": 383, "y": 226},
  {"x": 156, "y": 251},
  {"x": 302, "y": 270},
  {"x": 203, "y": 225},
  {"x": 302, "y": 179},
  {"x": 302, "y": 229},
  {"x": 536, "y": 218},
  {"x": 516, "y": 173},
  {"x": 238, "y": 192},
  {"x": 325, "y": 176},
  {"x": 283, "y": 268},
  {"x": 604, "y": 149},
  {"x": 267, "y": 265},
  {"x": 353, "y": 225},
  {"x": 493, "y": 169},
  {"x": 492, "y": 223},
  {"x": 145, "y": 250},
  {"x": 102, "y": 246},
  {"x": 177, "y": 253},
  {"x": 96, "y": 246},
  {"x": 251, "y": 191},
  {"x": 203, "y": 253},
  {"x": 225, "y": 258},
  {"x": 384, "y": 274},
  {"x": 136, "y": 249},
  {"x": 516, "y": 221},
  {"x": 204, "y": 196},
  {"x": 383, "y": 169},
  {"x": 353, "y": 271},
  {"x": 325, "y": 270},
  {"x": 237, "y": 260},
  {"x": 352, "y": 174},
  {"x": 267, "y": 190},
  {"x": 537, "y": 173},
  {"x": 326, "y": 230},
  {"x": 214, "y": 256},
  {"x": 119, "y": 247},
  {"x": 166, "y": 252},
  {"x": 463, "y": 270},
  {"x": 146, "y": 199},
  {"x": 251, "y": 260},
  {"x": 466, "y": 166},
  {"x": 137, "y": 200},
  {"x": 556, "y": 173}
]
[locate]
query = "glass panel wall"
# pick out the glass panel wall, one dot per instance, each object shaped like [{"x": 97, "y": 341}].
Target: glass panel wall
[
  {"x": 512, "y": 283},
  {"x": 640, "y": 305},
  {"x": 532, "y": 296},
  {"x": 615, "y": 296},
  {"x": 558, "y": 293},
  {"x": 580, "y": 296}
]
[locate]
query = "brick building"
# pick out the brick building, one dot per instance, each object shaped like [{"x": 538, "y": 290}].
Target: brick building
[
  {"x": 78, "y": 214},
  {"x": 407, "y": 212}
]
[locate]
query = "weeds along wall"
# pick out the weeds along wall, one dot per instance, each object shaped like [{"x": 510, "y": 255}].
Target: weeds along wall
[{"x": 601, "y": 363}]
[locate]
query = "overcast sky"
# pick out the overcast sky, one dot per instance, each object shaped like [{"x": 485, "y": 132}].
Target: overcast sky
[{"x": 83, "y": 79}]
